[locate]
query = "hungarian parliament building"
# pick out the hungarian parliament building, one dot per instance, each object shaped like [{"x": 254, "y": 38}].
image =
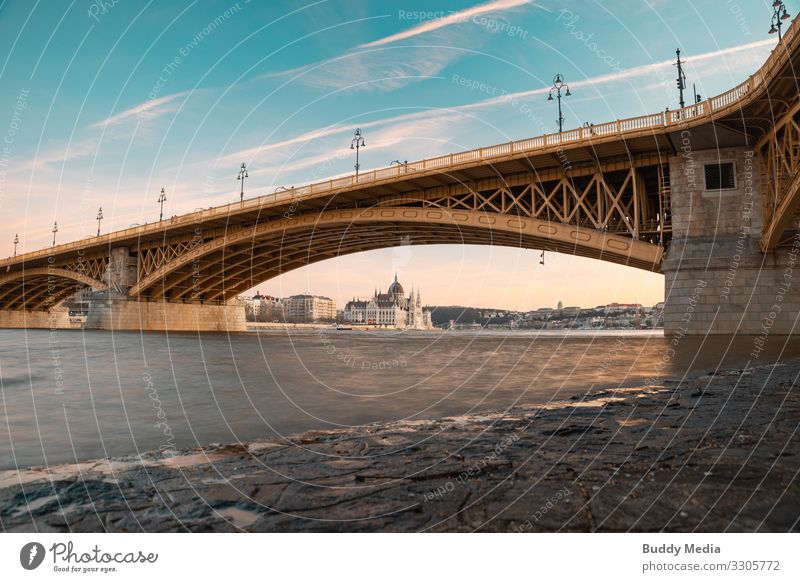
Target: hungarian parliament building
[{"x": 390, "y": 309}]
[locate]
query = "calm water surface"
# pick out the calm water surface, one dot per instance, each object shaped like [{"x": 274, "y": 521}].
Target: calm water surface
[{"x": 68, "y": 396}]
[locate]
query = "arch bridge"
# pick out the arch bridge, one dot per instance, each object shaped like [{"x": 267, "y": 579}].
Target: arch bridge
[{"x": 669, "y": 193}]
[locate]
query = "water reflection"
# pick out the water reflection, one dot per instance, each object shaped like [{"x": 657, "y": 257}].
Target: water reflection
[{"x": 76, "y": 395}]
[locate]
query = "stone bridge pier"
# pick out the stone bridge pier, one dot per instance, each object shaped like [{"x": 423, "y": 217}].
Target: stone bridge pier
[
  {"x": 717, "y": 279},
  {"x": 113, "y": 309}
]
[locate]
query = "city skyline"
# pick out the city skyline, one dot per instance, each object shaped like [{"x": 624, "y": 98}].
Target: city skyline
[
  {"x": 240, "y": 82},
  {"x": 425, "y": 278}
]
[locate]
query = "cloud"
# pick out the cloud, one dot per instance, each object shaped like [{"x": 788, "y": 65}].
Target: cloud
[
  {"x": 382, "y": 69},
  {"x": 625, "y": 74},
  {"x": 383, "y": 72},
  {"x": 451, "y": 19},
  {"x": 316, "y": 135},
  {"x": 149, "y": 110},
  {"x": 383, "y": 139},
  {"x": 91, "y": 145},
  {"x": 386, "y": 69},
  {"x": 61, "y": 154}
]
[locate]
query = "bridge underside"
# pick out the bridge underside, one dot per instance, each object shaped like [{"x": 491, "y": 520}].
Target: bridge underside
[
  {"x": 40, "y": 289},
  {"x": 266, "y": 251},
  {"x": 617, "y": 212}
]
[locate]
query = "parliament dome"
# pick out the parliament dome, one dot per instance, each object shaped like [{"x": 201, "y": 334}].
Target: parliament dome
[{"x": 396, "y": 289}]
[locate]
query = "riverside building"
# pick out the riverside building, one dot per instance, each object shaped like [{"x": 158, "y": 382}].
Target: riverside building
[
  {"x": 390, "y": 309},
  {"x": 310, "y": 308}
]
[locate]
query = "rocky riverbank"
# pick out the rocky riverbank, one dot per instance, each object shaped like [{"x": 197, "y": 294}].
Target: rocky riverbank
[{"x": 710, "y": 453}]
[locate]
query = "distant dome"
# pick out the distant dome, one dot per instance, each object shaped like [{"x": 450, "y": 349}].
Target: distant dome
[{"x": 396, "y": 288}]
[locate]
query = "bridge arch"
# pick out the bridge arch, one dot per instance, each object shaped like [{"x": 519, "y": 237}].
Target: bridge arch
[
  {"x": 40, "y": 288},
  {"x": 219, "y": 269}
]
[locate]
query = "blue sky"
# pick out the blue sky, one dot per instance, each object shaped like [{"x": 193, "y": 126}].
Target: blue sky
[{"x": 105, "y": 103}]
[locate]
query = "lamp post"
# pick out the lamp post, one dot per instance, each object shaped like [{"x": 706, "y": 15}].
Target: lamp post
[
  {"x": 16, "y": 242},
  {"x": 356, "y": 144},
  {"x": 161, "y": 199},
  {"x": 681, "y": 78},
  {"x": 99, "y": 218},
  {"x": 779, "y": 14},
  {"x": 558, "y": 84},
  {"x": 55, "y": 230},
  {"x": 242, "y": 175}
]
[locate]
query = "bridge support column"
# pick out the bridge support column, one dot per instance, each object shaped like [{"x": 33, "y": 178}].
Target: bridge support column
[
  {"x": 122, "y": 270},
  {"x": 114, "y": 311},
  {"x": 717, "y": 280}
]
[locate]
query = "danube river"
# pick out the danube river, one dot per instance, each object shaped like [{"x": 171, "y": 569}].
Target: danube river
[{"x": 70, "y": 396}]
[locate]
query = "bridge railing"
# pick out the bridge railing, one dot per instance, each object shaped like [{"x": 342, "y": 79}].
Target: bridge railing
[{"x": 639, "y": 123}]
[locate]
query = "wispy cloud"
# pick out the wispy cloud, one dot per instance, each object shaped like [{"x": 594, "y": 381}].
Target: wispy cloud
[
  {"x": 453, "y": 18},
  {"x": 709, "y": 59},
  {"x": 149, "y": 110},
  {"x": 639, "y": 72},
  {"x": 287, "y": 146},
  {"x": 390, "y": 134},
  {"x": 60, "y": 154},
  {"x": 371, "y": 66},
  {"x": 113, "y": 130},
  {"x": 382, "y": 72}
]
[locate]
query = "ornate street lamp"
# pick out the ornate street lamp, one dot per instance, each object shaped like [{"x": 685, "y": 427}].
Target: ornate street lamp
[
  {"x": 55, "y": 230},
  {"x": 779, "y": 14},
  {"x": 16, "y": 242},
  {"x": 242, "y": 175},
  {"x": 99, "y": 218},
  {"x": 558, "y": 85},
  {"x": 681, "y": 81},
  {"x": 355, "y": 144},
  {"x": 161, "y": 199}
]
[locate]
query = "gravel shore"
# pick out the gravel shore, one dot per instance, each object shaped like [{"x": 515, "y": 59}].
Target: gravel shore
[{"x": 711, "y": 453}]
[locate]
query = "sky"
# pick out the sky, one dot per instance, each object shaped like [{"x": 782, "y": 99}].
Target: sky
[{"x": 106, "y": 102}]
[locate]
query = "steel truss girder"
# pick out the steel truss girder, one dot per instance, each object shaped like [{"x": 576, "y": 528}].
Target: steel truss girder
[{"x": 778, "y": 154}]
